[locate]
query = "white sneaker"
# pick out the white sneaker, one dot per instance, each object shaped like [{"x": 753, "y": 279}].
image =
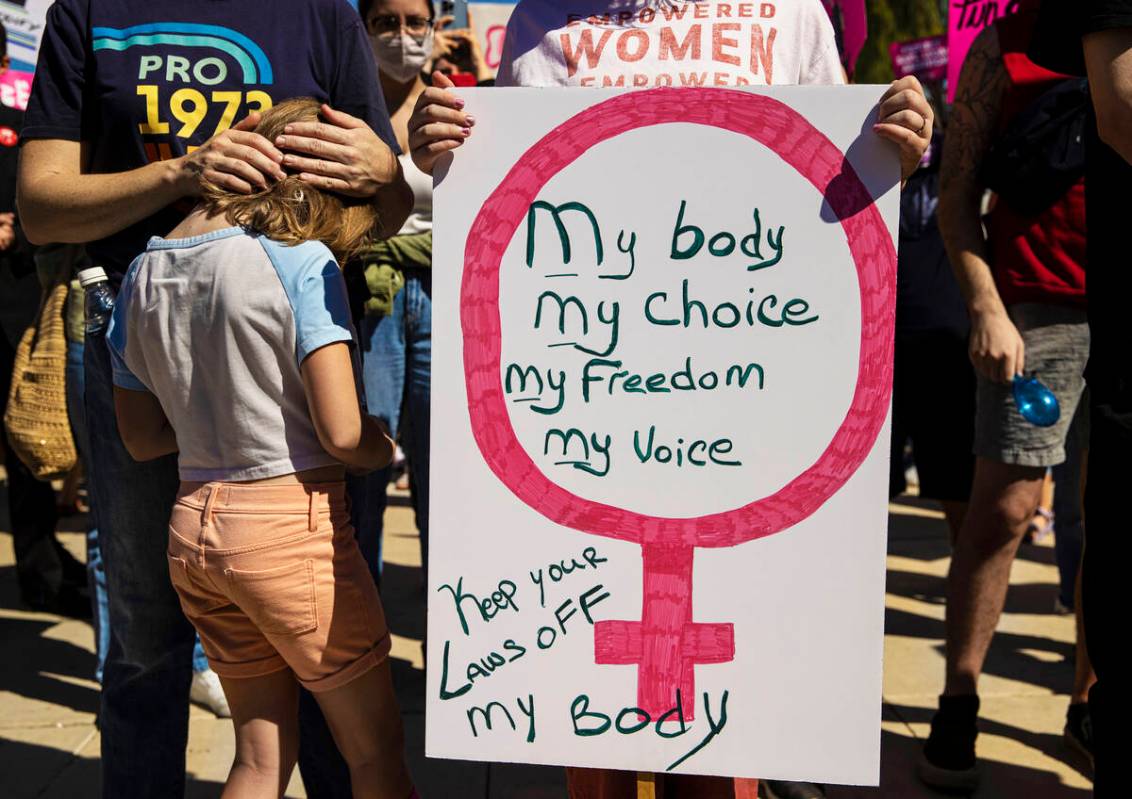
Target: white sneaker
[{"x": 207, "y": 693}]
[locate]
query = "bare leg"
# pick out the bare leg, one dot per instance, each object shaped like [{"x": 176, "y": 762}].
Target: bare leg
[
  {"x": 955, "y": 512},
  {"x": 1003, "y": 500},
  {"x": 366, "y": 724},
  {"x": 265, "y": 712},
  {"x": 1039, "y": 521}
]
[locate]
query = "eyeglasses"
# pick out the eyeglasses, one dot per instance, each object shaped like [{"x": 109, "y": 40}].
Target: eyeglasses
[{"x": 391, "y": 25}]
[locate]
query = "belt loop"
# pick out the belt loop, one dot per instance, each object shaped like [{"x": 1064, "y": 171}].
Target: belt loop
[
  {"x": 206, "y": 514},
  {"x": 312, "y": 521}
]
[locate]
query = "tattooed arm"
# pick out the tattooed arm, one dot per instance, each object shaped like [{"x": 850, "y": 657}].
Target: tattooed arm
[
  {"x": 996, "y": 347},
  {"x": 1108, "y": 55}
]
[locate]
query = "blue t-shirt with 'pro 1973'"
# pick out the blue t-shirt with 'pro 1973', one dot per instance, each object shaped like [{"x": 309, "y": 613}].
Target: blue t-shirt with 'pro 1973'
[{"x": 146, "y": 80}]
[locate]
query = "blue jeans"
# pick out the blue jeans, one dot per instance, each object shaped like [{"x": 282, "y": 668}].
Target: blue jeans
[
  {"x": 145, "y": 687},
  {"x": 1069, "y": 525},
  {"x": 96, "y": 574},
  {"x": 397, "y": 375}
]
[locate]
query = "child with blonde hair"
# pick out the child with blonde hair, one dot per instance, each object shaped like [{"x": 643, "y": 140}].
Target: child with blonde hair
[{"x": 232, "y": 346}]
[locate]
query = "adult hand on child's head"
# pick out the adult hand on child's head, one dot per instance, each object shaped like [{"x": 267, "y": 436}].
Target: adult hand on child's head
[
  {"x": 342, "y": 155},
  {"x": 438, "y": 123},
  {"x": 237, "y": 159},
  {"x": 905, "y": 118}
]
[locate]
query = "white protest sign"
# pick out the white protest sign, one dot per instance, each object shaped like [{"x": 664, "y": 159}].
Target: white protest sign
[{"x": 662, "y": 326}]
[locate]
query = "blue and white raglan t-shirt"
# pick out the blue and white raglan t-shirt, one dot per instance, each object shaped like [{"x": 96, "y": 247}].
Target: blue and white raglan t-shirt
[{"x": 216, "y": 327}]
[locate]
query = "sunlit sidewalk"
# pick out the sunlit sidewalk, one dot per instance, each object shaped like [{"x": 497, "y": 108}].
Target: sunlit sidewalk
[{"x": 49, "y": 743}]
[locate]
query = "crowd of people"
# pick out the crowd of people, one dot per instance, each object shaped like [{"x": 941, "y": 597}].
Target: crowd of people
[{"x": 264, "y": 336}]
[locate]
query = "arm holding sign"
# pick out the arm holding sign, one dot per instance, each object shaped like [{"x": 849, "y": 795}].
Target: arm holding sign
[
  {"x": 1108, "y": 56},
  {"x": 440, "y": 125},
  {"x": 996, "y": 346},
  {"x": 905, "y": 118}
]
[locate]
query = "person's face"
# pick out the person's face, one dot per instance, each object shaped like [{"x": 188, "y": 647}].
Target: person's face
[{"x": 390, "y": 17}]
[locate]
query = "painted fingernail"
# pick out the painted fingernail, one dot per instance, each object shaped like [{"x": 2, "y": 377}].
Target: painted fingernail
[
  {"x": 466, "y": 131},
  {"x": 469, "y": 120},
  {"x": 459, "y": 102}
]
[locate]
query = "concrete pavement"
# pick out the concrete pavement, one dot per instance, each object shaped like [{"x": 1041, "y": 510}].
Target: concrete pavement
[{"x": 49, "y": 744}]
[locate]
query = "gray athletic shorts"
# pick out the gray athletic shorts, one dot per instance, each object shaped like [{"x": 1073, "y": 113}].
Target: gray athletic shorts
[{"x": 1057, "y": 348}]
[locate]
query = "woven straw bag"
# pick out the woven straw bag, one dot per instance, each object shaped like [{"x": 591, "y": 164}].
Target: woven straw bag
[{"x": 36, "y": 418}]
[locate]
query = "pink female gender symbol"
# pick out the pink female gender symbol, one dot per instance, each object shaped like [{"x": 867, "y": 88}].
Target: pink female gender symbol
[{"x": 666, "y": 644}]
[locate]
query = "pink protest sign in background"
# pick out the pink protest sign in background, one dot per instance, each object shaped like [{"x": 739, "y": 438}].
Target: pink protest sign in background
[
  {"x": 618, "y": 613},
  {"x": 925, "y": 58},
  {"x": 966, "y": 19},
  {"x": 852, "y": 26},
  {"x": 490, "y": 22},
  {"x": 15, "y": 88}
]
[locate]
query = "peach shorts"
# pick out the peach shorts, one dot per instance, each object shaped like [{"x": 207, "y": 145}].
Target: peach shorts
[{"x": 272, "y": 578}]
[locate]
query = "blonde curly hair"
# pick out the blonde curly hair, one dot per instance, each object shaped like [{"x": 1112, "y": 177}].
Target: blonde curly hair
[{"x": 292, "y": 211}]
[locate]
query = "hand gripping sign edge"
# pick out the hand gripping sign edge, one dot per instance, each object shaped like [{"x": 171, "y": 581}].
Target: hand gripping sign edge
[{"x": 666, "y": 644}]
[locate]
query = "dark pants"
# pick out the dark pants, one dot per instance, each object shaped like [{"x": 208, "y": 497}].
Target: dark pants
[
  {"x": 1106, "y": 559},
  {"x": 31, "y": 509},
  {"x": 1109, "y": 376},
  {"x": 145, "y": 691},
  {"x": 1069, "y": 520}
]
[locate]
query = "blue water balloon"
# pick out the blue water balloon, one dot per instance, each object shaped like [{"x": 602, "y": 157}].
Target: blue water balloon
[{"x": 1036, "y": 402}]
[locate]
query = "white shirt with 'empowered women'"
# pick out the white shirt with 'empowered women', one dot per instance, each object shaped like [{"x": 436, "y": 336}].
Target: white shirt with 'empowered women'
[{"x": 648, "y": 43}]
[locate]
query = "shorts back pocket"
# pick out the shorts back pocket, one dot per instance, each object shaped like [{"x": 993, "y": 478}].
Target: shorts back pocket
[{"x": 279, "y": 601}]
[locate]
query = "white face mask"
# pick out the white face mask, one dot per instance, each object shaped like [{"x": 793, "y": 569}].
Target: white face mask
[{"x": 401, "y": 57}]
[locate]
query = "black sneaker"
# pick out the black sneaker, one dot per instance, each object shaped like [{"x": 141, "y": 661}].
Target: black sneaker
[
  {"x": 775, "y": 789},
  {"x": 1079, "y": 731},
  {"x": 948, "y": 759}
]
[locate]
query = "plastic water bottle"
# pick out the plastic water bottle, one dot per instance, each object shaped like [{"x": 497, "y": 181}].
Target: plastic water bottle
[
  {"x": 1037, "y": 404},
  {"x": 99, "y": 299}
]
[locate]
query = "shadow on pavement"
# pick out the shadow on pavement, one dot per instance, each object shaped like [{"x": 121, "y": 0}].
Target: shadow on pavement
[
  {"x": 40, "y": 657},
  {"x": 999, "y": 780},
  {"x": 1011, "y": 654},
  {"x": 1030, "y": 598},
  {"x": 44, "y": 772}
]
